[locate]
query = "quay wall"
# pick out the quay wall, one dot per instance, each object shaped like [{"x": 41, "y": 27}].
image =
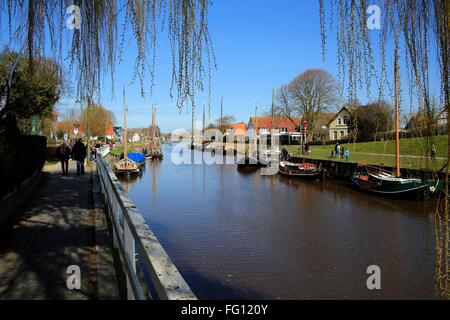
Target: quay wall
[{"x": 345, "y": 169}]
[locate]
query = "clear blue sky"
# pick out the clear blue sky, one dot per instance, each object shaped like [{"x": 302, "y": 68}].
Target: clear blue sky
[{"x": 259, "y": 45}]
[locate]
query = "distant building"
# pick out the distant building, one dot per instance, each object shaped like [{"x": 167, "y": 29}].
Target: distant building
[
  {"x": 263, "y": 125},
  {"x": 442, "y": 118},
  {"x": 320, "y": 131},
  {"x": 136, "y": 137},
  {"x": 338, "y": 126},
  {"x": 110, "y": 131},
  {"x": 237, "y": 129},
  {"x": 73, "y": 129}
]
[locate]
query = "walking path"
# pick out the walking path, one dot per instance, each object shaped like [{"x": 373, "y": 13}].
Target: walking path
[
  {"x": 382, "y": 155},
  {"x": 61, "y": 226}
]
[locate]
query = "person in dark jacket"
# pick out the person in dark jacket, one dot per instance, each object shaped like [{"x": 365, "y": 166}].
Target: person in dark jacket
[
  {"x": 63, "y": 154},
  {"x": 79, "y": 154}
]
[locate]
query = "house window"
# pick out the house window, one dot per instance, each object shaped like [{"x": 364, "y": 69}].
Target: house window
[
  {"x": 342, "y": 134},
  {"x": 339, "y": 121},
  {"x": 345, "y": 120},
  {"x": 335, "y": 136},
  {"x": 283, "y": 130}
]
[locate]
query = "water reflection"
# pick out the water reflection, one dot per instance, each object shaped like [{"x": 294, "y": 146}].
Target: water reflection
[{"x": 237, "y": 234}]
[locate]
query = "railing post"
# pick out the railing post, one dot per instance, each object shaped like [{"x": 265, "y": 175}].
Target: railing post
[{"x": 130, "y": 252}]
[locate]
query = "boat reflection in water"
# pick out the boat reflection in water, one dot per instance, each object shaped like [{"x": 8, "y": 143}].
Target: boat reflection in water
[{"x": 235, "y": 234}]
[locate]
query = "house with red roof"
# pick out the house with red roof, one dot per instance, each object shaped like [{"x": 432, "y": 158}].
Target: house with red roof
[
  {"x": 263, "y": 125},
  {"x": 237, "y": 129},
  {"x": 110, "y": 131}
]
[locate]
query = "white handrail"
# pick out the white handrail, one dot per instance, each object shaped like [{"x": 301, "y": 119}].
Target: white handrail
[{"x": 132, "y": 235}]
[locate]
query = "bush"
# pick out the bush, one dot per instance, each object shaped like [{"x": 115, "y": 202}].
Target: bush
[{"x": 20, "y": 157}]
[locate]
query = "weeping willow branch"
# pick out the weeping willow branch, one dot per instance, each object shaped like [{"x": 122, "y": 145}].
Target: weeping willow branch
[
  {"x": 95, "y": 48},
  {"x": 418, "y": 27}
]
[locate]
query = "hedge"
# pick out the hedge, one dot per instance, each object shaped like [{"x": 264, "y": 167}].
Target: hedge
[{"x": 20, "y": 157}]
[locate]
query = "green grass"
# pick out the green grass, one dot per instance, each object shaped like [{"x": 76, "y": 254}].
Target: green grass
[
  {"x": 412, "y": 151},
  {"x": 118, "y": 150}
]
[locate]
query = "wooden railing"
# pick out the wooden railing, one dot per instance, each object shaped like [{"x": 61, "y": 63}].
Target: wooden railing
[{"x": 133, "y": 238}]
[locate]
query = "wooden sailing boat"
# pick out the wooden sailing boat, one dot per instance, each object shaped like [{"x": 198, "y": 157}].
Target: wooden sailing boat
[
  {"x": 153, "y": 150},
  {"x": 125, "y": 165},
  {"x": 378, "y": 180}
]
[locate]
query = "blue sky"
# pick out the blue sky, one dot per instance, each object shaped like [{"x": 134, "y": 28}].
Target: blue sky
[{"x": 259, "y": 45}]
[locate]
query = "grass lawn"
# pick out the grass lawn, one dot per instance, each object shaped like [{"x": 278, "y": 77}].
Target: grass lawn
[
  {"x": 118, "y": 150},
  {"x": 412, "y": 151}
]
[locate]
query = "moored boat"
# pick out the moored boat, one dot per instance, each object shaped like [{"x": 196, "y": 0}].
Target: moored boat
[
  {"x": 137, "y": 157},
  {"x": 248, "y": 162},
  {"x": 299, "y": 170},
  {"x": 377, "y": 180},
  {"x": 126, "y": 166}
]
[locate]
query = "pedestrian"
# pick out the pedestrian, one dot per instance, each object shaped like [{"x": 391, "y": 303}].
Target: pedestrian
[
  {"x": 347, "y": 154},
  {"x": 342, "y": 151},
  {"x": 433, "y": 152},
  {"x": 332, "y": 153},
  {"x": 79, "y": 155},
  {"x": 338, "y": 150},
  {"x": 63, "y": 154}
]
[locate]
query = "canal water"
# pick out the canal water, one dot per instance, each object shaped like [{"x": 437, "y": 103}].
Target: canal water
[{"x": 236, "y": 234}]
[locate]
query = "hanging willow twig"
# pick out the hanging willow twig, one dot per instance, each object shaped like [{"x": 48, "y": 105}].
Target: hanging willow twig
[
  {"x": 419, "y": 28},
  {"x": 93, "y": 47}
]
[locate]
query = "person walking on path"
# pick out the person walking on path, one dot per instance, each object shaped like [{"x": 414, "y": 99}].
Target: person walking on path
[
  {"x": 63, "y": 154},
  {"x": 79, "y": 154},
  {"x": 338, "y": 150},
  {"x": 433, "y": 152},
  {"x": 347, "y": 154}
]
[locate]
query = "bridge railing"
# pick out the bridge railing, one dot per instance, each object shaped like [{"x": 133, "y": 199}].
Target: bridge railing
[{"x": 133, "y": 238}]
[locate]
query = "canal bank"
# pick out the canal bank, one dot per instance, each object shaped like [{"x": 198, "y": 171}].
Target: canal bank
[{"x": 344, "y": 169}]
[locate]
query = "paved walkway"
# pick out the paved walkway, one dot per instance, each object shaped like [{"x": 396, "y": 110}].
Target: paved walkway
[
  {"x": 60, "y": 227},
  {"x": 381, "y": 154}
]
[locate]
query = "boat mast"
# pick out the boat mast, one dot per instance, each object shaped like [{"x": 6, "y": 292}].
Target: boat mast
[
  {"x": 221, "y": 115},
  {"x": 273, "y": 109},
  {"x": 203, "y": 123},
  {"x": 153, "y": 122},
  {"x": 192, "y": 125},
  {"x": 125, "y": 144},
  {"x": 397, "y": 136}
]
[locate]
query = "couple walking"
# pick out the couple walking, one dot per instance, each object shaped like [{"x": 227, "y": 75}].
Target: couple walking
[{"x": 78, "y": 153}]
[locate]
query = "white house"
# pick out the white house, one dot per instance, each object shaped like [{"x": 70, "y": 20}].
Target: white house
[
  {"x": 338, "y": 125},
  {"x": 136, "y": 138}
]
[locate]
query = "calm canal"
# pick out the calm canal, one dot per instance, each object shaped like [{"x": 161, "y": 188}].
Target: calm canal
[{"x": 239, "y": 235}]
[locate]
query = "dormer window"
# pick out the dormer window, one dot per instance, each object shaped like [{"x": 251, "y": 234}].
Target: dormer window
[{"x": 339, "y": 121}]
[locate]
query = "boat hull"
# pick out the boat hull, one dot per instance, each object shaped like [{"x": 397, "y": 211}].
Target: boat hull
[
  {"x": 312, "y": 173},
  {"x": 384, "y": 183},
  {"x": 126, "y": 168}
]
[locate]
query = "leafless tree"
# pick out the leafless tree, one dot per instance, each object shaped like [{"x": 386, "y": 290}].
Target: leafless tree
[{"x": 307, "y": 95}]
